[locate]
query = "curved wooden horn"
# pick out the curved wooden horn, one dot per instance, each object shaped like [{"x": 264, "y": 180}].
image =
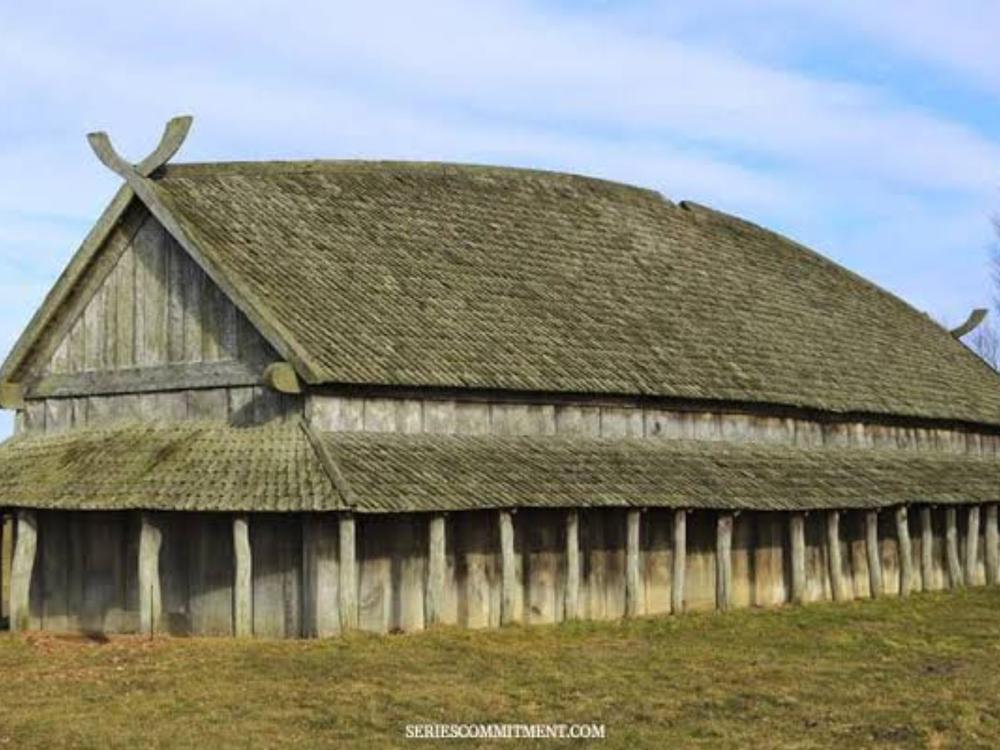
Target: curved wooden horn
[
  {"x": 976, "y": 317},
  {"x": 173, "y": 137}
]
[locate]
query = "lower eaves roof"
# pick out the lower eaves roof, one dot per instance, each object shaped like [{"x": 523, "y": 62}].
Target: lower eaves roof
[{"x": 210, "y": 467}]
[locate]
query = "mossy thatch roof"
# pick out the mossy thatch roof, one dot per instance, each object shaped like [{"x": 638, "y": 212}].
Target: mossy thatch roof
[
  {"x": 415, "y": 274},
  {"x": 210, "y": 467}
]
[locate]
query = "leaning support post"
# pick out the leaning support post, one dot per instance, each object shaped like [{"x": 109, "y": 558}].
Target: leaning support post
[
  {"x": 724, "y": 562},
  {"x": 150, "y": 598},
  {"x": 25, "y": 545},
  {"x": 243, "y": 580},
  {"x": 679, "y": 562},
  {"x": 951, "y": 547},
  {"x": 434, "y": 605},
  {"x": 348, "y": 592},
  {"x": 572, "y": 564},
  {"x": 874, "y": 559},
  {"x": 837, "y": 583},
  {"x": 508, "y": 573},
  {"x": 971, "y": 544},
  {"x": 632, "y": 520},
  {"x": 926, "y": 548},
  {"x": 797, "y": 532},
  {"x": 905, "y": 551},
  {"x": 991, "y": 553}
]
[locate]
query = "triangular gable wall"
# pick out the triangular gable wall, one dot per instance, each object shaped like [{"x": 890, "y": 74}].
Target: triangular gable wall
[{"x": 148, "y": 304}]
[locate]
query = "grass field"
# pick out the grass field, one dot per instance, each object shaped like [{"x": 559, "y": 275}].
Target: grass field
[{"x": 923, "y": 672}]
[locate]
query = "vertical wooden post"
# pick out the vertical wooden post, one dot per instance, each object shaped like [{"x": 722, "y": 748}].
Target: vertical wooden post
[
  {"x": 508, "y": 573},
  {"x": 837, "y": 583},
  {"x": 905, "y": 551},
  {"x": 632, "y": 520},
  {"x": 992, "y": 551},
  {"x": 679, "y": 562},
  {"x": 243, "y": 580},
  {"x": 25, "y": 545},
  {"x": 951, "y": 547},
  {"x": 971, "y": 544},
  {"x": 150, "y": 597},
  {"x": 572, "y": 564},
  {"x": 348, "y": 590},
  {"x": 797, "y": 532},
  {"x": 926, "y": 548},
  {"x": 436, "y": 566},
  {"x": 874, "y": 559},
  {"x": 724, "y": 562}
]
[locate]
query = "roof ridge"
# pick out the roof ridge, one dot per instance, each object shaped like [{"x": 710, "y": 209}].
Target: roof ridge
[{"x": 369, "y": 166}]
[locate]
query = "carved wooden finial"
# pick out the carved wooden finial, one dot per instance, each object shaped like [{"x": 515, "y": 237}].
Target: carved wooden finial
[
  {"x": 173, "y": 137},
  {"x": 976, "y": 317}
]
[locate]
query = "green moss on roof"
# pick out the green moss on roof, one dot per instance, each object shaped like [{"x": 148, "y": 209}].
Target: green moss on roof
[
  {"x": 444, "y": 275},
  {"x": 212, "y": 467},
  {"x": 393, "y": 472},
  {"x": 185, "y": 466}
]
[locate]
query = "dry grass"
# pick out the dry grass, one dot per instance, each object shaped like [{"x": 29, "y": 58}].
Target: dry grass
[{"x": 924, "y": 672}]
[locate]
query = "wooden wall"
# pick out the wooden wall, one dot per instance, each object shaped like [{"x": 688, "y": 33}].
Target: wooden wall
[
  {"x": 155, "y": 307},
  {"x": 357, "y": 414},
  {"x": 85, "y": 575}
]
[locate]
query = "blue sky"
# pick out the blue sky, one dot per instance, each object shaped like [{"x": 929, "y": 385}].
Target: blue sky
[{"x": 870, "y": 131}]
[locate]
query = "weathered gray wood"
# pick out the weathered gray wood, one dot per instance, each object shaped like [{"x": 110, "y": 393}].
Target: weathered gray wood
[
  {"x": 874, "y": 559},
  {"x": 838, "y": 585},
  {"x": 320, "y": 605},
  {"x": 572, "y": 605},
  {"x": 508, "y": 571},
  {"x": 991, "y": 553},
  {"x": 145, "y": 379},
  {"x": 25, "y": 547},
  {"x": 951, "y": 547},
  {"x": 905, "y": 551},
  {"x": 797, "y": 537},
  {"x": 281, "y": 377},
  {"x": 439, "y": 417},
  {"x": 150, "y": 596},
  {"x": 348, "y": 573},
  {"x": 724, "y": 562},
  {"x": 632, "y": 593},
  {"x": 926, "y": 548},
  {"x": 436, "y": 569},
  {"x": 679, "y": 561},
  {"x": 971, "y": 544},
  {"x": 243, "y": 579}
]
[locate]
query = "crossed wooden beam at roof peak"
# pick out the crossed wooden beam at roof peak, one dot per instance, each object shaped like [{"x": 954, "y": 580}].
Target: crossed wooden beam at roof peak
[{"x": 170, "y": 143}]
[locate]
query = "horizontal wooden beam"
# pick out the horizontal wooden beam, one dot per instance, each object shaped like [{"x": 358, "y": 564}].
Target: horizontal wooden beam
[
  {"x": 11, "y": 396},
  {"x": 175, "y": 377}
]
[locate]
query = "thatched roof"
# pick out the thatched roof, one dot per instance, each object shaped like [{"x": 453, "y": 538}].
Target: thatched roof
[
  {"x": 211, "y": 467},
  {"x": 415, "y": 274}
]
